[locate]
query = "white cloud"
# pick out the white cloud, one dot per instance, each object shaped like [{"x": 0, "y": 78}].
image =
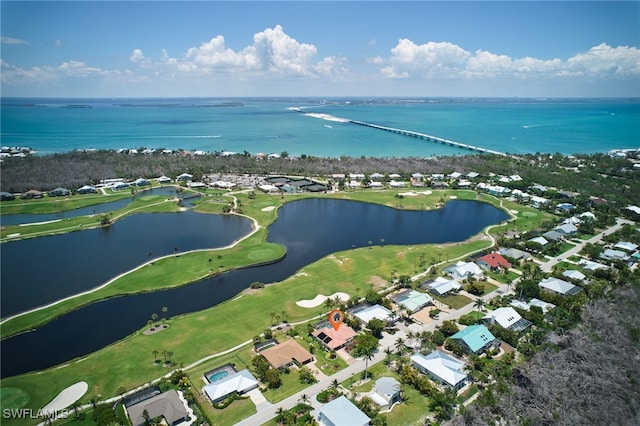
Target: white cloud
[
  {"x": 447, "y": 60},
  {"x": 136, "y": 56},
  {"x": 58, "y": 43},
  {"x": 34, "y": 76},
  {"x": 11, "y": 40},
  {"x": 80, "y": 69}
]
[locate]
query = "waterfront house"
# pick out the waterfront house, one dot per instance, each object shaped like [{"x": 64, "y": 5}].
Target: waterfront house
[
  {"x": 7, "y": 196},
  {"x": 163, "y": 179},
  {"x": 386, "y": 392},
  {"x": 493, "y": 262},
  {"x": 141, "y": 182},
  {"x": 87, "y": 189},
  {"x": 333, "y": 339},
  {"x": 30, "y": 194},
  {"x": 287, "y": 354},
  {"x": 558, "y": 286},
  {"x": 475, "y": 339},
  {"x": 59, "y": 192},
  {"x": 342, "y": 412},
  {"x": 184, "y": 176},
  {"x": 170, "y": 406},
  {"x": 441, "y": 368},
  {"x": 240, "y": 382},
  {"x": 506, "y": 317}
]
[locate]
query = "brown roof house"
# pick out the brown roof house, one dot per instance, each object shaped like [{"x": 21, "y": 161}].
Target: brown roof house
[
  {"x": 170, "y": 406},
  {"x": 286, "y": 354}
]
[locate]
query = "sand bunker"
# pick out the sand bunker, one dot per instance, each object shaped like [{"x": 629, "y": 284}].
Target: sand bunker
[
  {"x": 319, "y": 300},
  {"x": 66, "y": 397},
  {"x": 268, "y": 208},
  {"x": 453, "y": 197}
]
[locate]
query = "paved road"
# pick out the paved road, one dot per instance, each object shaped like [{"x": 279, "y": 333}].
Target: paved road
[{"x": 267, "y": 411}]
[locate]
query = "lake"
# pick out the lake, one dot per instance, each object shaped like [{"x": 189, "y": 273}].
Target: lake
[{"x": 310, "y": 229}]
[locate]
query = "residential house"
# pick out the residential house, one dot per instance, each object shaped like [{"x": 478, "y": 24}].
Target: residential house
[
  {"x": 119, "y": 186},
  {"x": 553, "y": 236},
  {"x": 455, "y": 175},
  {"x": 397, "y": 184},
  {"x": 441, "y": 368},
  {"x": 184, "y": 176},
  {"x": 240, "y": 382},
  {"x": 59, "y": 192},
  {"x": 333, "y": 339},
  {"x": 87, "y": 189},
  {"x": 163, "y": 179},
  {"x": 493, "y": 262},
  {"x": 342, "y": 412},
  {"x": 626, "y": 246},
  {"x": 30, "y": 194},
  {"x": 572, "y": 274},
  {"x": 441, "y": 286},
  {"x": 287, "y": 354},
  {"x": 394, "y": 176},
  {"x": 506, "y": 317},
  {"x": 515, "y": 254},
  {"x": 558, "y": 286},
  {"x": 464, "y": 270},
  {"x": 475, "y": 338},
  {"x": 376, "y": 176},
  {"x": 170, "y": 406},
  {"x": 545, "y": 306},
  {"x": 356, "y": 176},
  {"x": 567, "y": 229},
  {"x": 376, "y": 311},
  {"x": 565, "y": 207},
  {"x": 472, "y": 175},
  {"x": 537, "y": 202},
  {"x": 386, "y": 392},
  {"x": 412, "y": 300},
  {"x": 141, "y": 182},
  {"x": 590, "y": 265},
  {"x": 6, "y": 196},
  {"x": 540, "y": 240}
]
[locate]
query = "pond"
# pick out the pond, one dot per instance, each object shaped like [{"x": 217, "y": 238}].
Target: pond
[
  {"x": 15, "y": 219},
  {"x": 309, "y": 229}
]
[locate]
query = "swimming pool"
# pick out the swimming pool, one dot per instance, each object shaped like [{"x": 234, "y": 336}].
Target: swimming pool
[{"x": 219, "y": 373}]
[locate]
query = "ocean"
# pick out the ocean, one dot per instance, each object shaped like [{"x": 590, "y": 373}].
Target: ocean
[{"x": 271, "y": 125}]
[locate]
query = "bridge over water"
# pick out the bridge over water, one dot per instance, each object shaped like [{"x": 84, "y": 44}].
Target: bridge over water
[
  {"x": 430, "y": 138},
  {"x": 402, "y": 132}
]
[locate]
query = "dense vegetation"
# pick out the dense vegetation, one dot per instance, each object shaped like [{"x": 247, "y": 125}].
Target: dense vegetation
[
  {"x": 591, "y": 175},
  {"x": 588, "y": 375}
]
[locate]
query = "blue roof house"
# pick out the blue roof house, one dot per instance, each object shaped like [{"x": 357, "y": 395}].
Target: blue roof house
[
  {"x": 475, "y": 338},
  {"x": 342, "y": 412}
]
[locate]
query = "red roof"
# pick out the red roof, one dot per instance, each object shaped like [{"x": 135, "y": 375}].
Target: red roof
[
  {"x": 334, "y": 339},
  {"x": 495, "y": 260}
]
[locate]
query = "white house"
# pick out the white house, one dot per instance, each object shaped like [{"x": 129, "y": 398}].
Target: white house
[
  {"x": 464, "y": 270},
  {"x": 442, "y": 286},
  {"x": 375, "y": 311},
  {"x": 559, "y": 286},
  {"x": 441, "y": 368},
  {"x": 342, "y": 412},
  {"x": 386, "y": 393},
  {"x": 240, "y": 382},
  {"x": 572, "y": 274},
  {"x": 507, "y": 317}
]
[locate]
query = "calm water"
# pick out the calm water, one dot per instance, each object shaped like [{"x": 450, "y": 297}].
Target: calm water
[
  {"x": 16, "y": 219},
  {"x": 267, "y": 125},
  {"x": 309, "y": 229},
  {"x": 50, "y": 268}
]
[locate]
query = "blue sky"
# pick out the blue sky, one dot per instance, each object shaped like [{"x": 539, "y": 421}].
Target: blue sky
[{"x": 311, "y": 48}]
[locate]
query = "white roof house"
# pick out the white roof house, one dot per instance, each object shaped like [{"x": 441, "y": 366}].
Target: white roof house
[
  {"x": 545, "y": 306},
  {"x": 442, "y": 286},
  {"x": 508, "y": 318},
  {"x": 610, "y": 254},
  {"x": 342, "y": 412},
  {"x": 375, "y": 311},
  {"x": 559, "y": 286},
  {"x": 590, "y": 265},
  {"x": 540, "y": 240},
  {"x": 241, "y": 382},
  {"x": 440, "y": 367},
  {"x": 574, "y": 275},
  {"x": 626, "y": 246},
  {"x": 170, "y": 405},
  {"x": 386, "y": 392},
  {"x": 464, "y": 270}
]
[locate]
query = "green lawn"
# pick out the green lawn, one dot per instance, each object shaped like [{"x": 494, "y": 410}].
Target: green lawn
[
  {"x": 129, "y": 362},
  {"x": 238, "y": 410},
  {"x": 454, "y": 301}
]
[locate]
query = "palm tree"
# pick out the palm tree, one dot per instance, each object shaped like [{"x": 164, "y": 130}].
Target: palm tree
[
  {"x": 155, "y": 353},
  {"x": 279, "y": 415},
  {"x": 400, "y": 345},
  {"x": 304, "y": 398},
  {"x": 154, "y": 318},
  {"x": 479, "y": 303},
  {"x": 334, "y": 385}
]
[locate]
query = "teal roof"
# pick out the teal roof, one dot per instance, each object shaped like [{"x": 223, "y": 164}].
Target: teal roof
[
  {"x": 415, "y": 300},
  {"x": 475, "y": 336}
]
